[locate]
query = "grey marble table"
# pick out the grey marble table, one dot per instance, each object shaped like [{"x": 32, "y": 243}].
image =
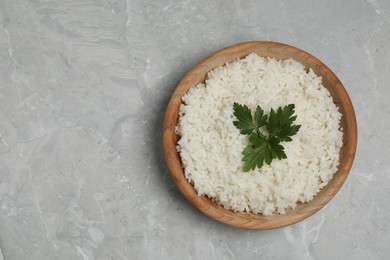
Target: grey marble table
[{"x": 83, "y": 89}]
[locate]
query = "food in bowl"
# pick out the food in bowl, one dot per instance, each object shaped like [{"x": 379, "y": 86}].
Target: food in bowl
[{"x": 210, "y": 145}]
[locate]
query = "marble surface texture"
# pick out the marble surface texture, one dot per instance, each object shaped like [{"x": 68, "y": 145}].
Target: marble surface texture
[{"x": 83, "y": 89}]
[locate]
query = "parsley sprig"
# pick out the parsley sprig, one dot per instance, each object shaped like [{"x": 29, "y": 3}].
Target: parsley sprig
[{"x": 265, "y": 145}]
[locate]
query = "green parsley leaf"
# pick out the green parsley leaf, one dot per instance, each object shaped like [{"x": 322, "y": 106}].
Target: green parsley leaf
[
  {"x": 260, "y": 118},
  {"x": 262, "y": 149},
  {"x": 244, "y": 121},
  {"x": 280, "y": 123},
  {"x": 256, "y": 154},
  {"x": 277, "y": 150}
]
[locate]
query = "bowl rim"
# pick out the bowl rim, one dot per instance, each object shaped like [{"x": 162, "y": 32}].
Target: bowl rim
[{"x": 244, "y": 219}]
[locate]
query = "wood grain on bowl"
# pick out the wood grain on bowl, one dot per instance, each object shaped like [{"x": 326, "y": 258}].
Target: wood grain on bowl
[{"x": 278, "y": 51}]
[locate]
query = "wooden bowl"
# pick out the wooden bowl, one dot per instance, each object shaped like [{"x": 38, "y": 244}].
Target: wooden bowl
[{"x": 302, "y": 210}]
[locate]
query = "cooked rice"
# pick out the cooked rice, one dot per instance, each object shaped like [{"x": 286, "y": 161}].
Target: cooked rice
[{"x": 211, "y": 146}]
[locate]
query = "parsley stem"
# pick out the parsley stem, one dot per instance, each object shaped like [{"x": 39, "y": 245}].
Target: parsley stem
[{"x": 260, "y": 134}]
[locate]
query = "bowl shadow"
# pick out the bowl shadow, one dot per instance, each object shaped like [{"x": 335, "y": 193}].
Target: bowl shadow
[{"x": 153, "y": 139}]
